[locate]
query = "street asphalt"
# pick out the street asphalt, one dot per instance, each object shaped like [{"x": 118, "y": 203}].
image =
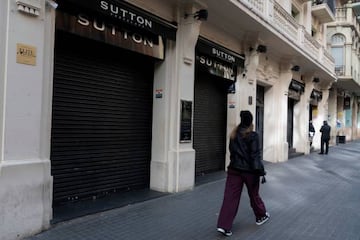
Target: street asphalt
[{"x": 310, "y": 197}]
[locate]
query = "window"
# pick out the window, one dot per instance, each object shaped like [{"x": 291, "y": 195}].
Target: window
[
  {"x": 313, "y": 32},
  {"x": 337, "y": 51}
]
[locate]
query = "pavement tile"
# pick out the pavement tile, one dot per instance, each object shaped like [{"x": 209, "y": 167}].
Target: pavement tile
[{"x": 310, "y": 197}]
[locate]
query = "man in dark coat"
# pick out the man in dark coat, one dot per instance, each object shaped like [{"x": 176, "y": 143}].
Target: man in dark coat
[{"x": 325, "y": 137}]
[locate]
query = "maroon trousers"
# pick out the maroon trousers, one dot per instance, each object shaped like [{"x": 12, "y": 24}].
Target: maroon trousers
[{"x": 234, "y": 185}]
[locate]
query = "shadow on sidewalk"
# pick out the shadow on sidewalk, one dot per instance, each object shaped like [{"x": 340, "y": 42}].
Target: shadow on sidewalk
[{"x": 72, "y": 210}]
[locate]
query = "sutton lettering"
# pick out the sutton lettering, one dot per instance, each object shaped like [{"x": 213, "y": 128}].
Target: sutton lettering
[
  {"x": 223, "y": 55},
  {"x": 125, "y": 15},
  {"x": 102, "y": 26}
]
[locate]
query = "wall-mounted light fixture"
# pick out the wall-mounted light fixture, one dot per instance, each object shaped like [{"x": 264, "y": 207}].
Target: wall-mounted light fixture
[
  {"x": 261, "y": 49},
  {"x": 52, "y": 4},
  {"x": 200, "y": 15},
  {"x": 295, "y": 68}
]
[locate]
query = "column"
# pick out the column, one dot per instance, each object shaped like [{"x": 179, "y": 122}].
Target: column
[
  {"x": 173, "y": 163},
  {"x": 245, "y": 96},
  {"x": 301, "y": 121},
  {"x": 275, "y": 127},
  {"x": 332, "y": 105},
  {"x": 246, "y": 91},
  {"x": 323, "y": 112},
  {"x": 3, "y": 37},
  {"x": 26, "y": 52}
]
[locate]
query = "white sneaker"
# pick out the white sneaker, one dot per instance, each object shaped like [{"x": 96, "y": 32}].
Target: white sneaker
[
  {"x": 224, "y": 232},
  {"x": 262, "y": 220}
]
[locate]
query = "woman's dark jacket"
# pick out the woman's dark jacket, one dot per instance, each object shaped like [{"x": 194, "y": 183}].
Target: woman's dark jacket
[{"x": 245, "y": 152}]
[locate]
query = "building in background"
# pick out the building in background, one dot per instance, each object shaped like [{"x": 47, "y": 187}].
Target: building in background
[
  {"x": 343, "y": 40},
  {"x": 112, "y": 96}
]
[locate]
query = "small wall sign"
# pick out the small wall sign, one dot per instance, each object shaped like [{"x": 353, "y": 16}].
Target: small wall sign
[
  {"x": 25, "y": 54},
  {"x": 231, "y": 104},
  {"x": 250, "y": 100},
  {"x": 158, "y": 93}
]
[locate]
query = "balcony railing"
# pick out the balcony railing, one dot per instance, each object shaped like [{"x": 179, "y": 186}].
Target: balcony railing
[
  {"x": 340, "y": 70},
  {"x": 346, "y": 16},
  {"x": 323, "y": 10},
  {"x": 329, "y": 3},
  {"x": 278, "y": 17}
]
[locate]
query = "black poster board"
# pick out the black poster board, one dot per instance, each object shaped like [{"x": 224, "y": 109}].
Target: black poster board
[{"x": 185, "y": 121}]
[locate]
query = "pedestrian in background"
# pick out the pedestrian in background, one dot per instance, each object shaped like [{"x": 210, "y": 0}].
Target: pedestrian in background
[
  {"x": 325, "y": 137},
  {"x": 245, "y": 167},
  {"x": 311, "y": 132}
]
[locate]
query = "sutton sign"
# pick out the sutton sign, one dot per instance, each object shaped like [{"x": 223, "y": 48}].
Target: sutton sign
[
  {"x": 120, "y": 12},
  {"x": 125, "y": 15},
  {"x": 110, "y": 33}
]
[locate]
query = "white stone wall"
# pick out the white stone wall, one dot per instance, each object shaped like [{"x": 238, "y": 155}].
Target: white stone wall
[
  {"x": 352, "y": 69},
  {"x": 3, "y": 60},
  {"x": 173, "y": 163},
  {"x": 25, "y": 182}
]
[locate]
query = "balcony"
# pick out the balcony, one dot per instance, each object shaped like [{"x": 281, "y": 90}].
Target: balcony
[
  {"x": 285, "y": 24},
  {"x": 323, "y": 11},
  {"x": 348, "y": 16},
  {"x": 340, "y": 70}
]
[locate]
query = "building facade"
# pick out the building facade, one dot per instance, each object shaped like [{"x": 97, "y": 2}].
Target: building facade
[
  {"x": 112, "y": 96},
  {"x": 343, "y": 40}
]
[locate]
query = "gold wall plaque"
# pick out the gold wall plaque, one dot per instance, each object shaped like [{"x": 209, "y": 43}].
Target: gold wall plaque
[{"x": 25, "y": 54}]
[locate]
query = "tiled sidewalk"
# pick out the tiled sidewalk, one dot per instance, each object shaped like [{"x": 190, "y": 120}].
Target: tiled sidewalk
[{"x": 311, "y": 197}]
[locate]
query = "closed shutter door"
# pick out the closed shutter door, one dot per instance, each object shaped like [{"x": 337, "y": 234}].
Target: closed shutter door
[
  {"x": 101, "y": 123},
  {"x": 209, "y": 123}
]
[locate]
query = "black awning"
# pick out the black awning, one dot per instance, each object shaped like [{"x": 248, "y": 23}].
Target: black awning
[
  {"x": 316, "y": 94},
  {"x": 124, "y": 13},
  {"x": 219, "y": 53},
  {"x": 297, "y": 86}
]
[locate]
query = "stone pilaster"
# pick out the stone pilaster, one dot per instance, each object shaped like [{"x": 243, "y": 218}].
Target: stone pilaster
[
  {"x": 301, "y": 124},
  {"x": 173, "y": 163},
  {"x": 275, "y": 128}
]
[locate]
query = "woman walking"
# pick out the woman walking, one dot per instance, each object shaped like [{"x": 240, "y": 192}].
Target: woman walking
[{"x": 245, "y": 167}]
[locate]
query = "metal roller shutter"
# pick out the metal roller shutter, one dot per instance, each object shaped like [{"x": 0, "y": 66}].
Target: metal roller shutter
[
  {"x": 210, "y": 114},
  {"x": 101, "y": 124}
]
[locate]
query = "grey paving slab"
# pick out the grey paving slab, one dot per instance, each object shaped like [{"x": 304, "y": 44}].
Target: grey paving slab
[{"x": 311, "y": 197}]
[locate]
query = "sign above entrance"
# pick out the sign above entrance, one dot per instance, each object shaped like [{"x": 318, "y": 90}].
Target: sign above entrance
[
  {"x": 105, "y": 31},
  {"x": 123, "y": 13},
  {"x": 316, "y": 95},
  {"x": 218, "y": 52},
  {"x": 217, "y": 68},
  {"x": 218, "y": 60},
  {"x": 297, "y": 86}
]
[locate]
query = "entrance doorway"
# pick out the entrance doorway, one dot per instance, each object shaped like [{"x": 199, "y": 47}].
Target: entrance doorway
[
  {"x": 210, "y": 117},
  {"x": 259, "y": 125},
  {"x": 290, "y": 123}
]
